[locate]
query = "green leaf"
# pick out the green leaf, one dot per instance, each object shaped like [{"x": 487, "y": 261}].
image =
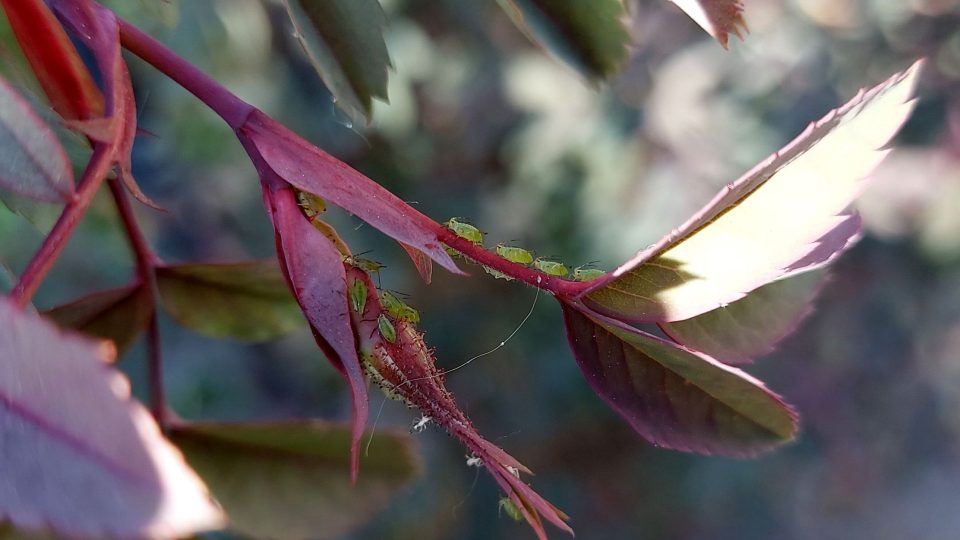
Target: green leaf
[
  {"x": 751, "y": 326},
  {"x": 247, "y": 301},
  {"x": 344, "y": 40},
  {"x": 589, "y": 35},
  {"x": 292, "y": 480},
  {"x": 675, "y": 397},
  {"x": 117, "y": 314},
  {"x": 787, "y": 214}
]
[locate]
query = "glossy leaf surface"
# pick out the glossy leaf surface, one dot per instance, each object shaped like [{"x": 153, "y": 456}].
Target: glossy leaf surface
[
  {"x": 292, "y": 480},
  {"x": 79, "y": 455},
  {"x": 788, "y": 212},
  {"x": 246, "y": 301},
  {"x": 675, "y": 397}
]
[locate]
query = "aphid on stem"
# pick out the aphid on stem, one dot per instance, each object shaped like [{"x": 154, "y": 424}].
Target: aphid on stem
[
  {"x": 464, "y": 230},
  {"x": 311, "y": 204},
  {"x": 509, "y": 508},
  {"x": 398, "y": 308},
  {"x": 554, "y": 268},
  {"x": 514, "y": 254},
  {"x": 386, "y": 328},
  {"x": 358, "y": 295},
  {"x": 585, "y": 273}
]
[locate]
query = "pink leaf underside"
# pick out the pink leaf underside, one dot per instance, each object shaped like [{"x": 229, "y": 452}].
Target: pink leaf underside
[
  {"x": 33, "y": 164},
  {"x": 719, "y": 18},
  {"x": 310, "y": 169},
  {"x": 98, "y": 29},
  {"x": 421, "y": 262},
  {"x": 315, "y": 270},
  {"x": 788, "y": 213},
  {"x": 675, "y": 397},
  {"x": 80, "y": 456},
  {"x": 752, "y": 326}
]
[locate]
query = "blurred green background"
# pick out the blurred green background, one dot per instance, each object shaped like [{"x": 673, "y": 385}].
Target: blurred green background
[{"x": 484, "y": 125}]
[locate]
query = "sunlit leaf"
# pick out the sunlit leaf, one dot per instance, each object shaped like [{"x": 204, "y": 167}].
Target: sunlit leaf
[
  {"x": 116, "y": 314},
  {"x": 79, "y": 455},
  {"x": 344, "y": 40},
  {"x": 292, "y": 480},
  {"x": 787, "y": 213},
  {"x": 590, "y": 36},
  {"x": 719, "y": 18},
  {"x": 247, "y": 301},
  {"x": 32, "y": 162},
  {"x": 310, "y": 169},
  {"x": 753, "y": 325},
  {"x": 675, "y": 397}
]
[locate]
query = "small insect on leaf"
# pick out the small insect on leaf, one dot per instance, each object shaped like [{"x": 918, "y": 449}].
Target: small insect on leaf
[
  {"x": 397, "y": 308},
  {"x": 367, "y": 265},
  {"x": 514, "y": 254},
  {"x": 554, "y": 268},
  {"x": 581, "y": 273},
  {"x": 510, "y": 508},
  {"x": 358, "y": 295},
  {"x": 386, "y": 328},
  {"x": 465, "y": 230},
  {"x": 311, "y": 204}
]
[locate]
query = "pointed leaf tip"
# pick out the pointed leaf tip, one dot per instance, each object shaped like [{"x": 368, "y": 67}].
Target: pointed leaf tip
[
  {"x": 719, "y": 18},
  {"x": 675, "y": 397},
  {"x": 786, "y": 213}
]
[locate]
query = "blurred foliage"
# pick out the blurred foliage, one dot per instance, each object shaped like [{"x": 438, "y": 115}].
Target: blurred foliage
[{"x": 482, "y": 124}]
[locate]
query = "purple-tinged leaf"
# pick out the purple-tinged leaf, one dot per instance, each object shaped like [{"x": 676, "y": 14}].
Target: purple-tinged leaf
[
  {"x": 79, "y": 455},
  {"x": 344, "y": 41},
  {"x": 247, "y": 301},
  {"x": 676, "y": 397},
  {"x": 719, "y": 18},
  {"x": 589, "y": 36},
  {"x": 752, "y": 326},
  {"x": 116, "y": 314},
  {"x": 292, "y": 480},
  {"x": 314, "y": 269},
  {"x": 32, "y": 162},
  {"x": 310, "y": 169},
  {"x": 787, "y": 213},
  {"x": 421, "y": 261}
]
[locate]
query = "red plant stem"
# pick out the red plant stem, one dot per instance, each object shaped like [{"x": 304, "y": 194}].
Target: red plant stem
[
  {"x": 232, "y": 109},
  {"x": 235, "y": 112},
  {"x": 146, "y": 261},
  {"x": 38, "y": 268}
]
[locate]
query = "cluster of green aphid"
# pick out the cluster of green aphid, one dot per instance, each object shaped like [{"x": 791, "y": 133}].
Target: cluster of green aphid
[
  {"x": 518, "y": 255},
  {"x": 392, "y": 305}
]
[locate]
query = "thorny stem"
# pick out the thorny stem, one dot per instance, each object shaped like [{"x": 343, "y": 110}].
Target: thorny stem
[
  {"x": 147, "y": 262},
  {"x": 42, "y": 261},
  {"x": 235, "y": 112}
]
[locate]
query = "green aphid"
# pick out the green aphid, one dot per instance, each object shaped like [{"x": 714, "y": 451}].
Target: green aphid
[
  {"x": 554, "y": 268},
  {"x": 311, "y": 204},
  {"x": 358, "y": 295},
  {"x": 586, "y": 274},
  {"x": 398, "y": 308},
  {"x": 367, "y": 265},
  {"x": 386, "y": 328},
  {"x": 514, "y": 254},
  {"x": 510, "y": 508},
  {"x": 466, "y": 231},
  {"x": 497, "y": 274}
]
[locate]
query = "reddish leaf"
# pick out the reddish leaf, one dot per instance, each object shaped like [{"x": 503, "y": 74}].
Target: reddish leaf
[
  {"x": 116, "y": 314},
  {"x": 315, "y": 272},
  {"x": 310, "y": 169},
  {"x": 248, "y": 301},
  {"x": 420, "y": 260},
  {"x": 675, "y": 397},
  {"x": 32, "y": 162},
  {"x": 787, "y": 213},
  {"x": 752, "y": 326},
  {"x": 59, "y": 69},
  {"x": 292, "y": 480},
  {"x": 719, "y": 18},
  {"x": 80, "y": 456}
]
